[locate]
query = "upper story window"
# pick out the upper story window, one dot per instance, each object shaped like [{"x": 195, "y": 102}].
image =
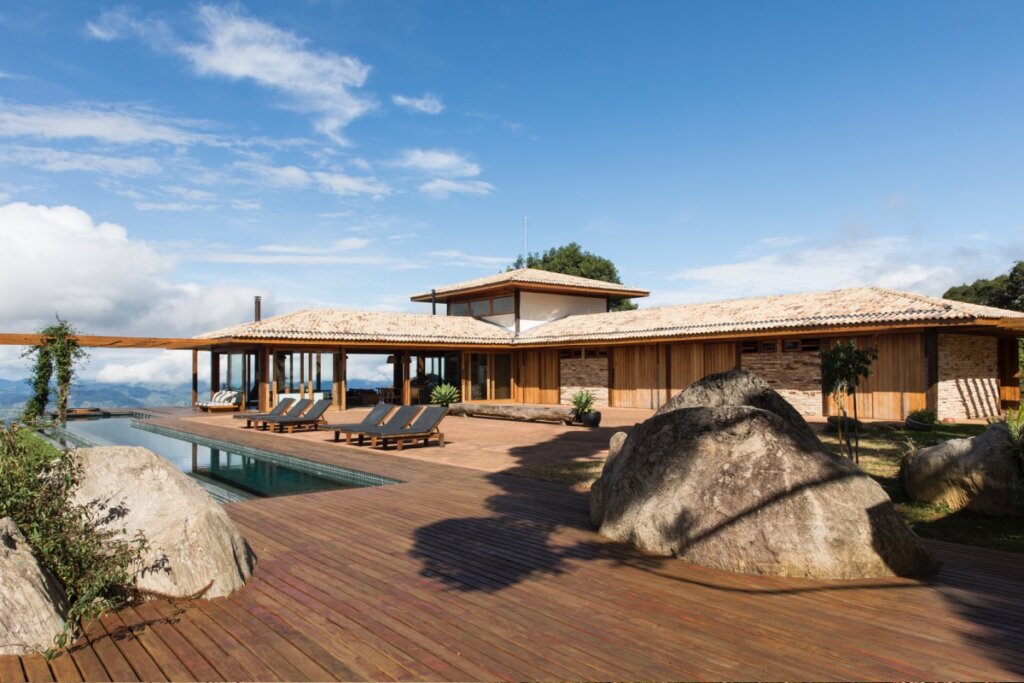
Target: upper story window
[{"x": 483, "y": 308}]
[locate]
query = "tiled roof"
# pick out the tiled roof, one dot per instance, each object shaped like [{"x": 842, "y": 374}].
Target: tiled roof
[
  {"x": 535, "y": 277},
  {"x": 841, "y": 307},
  {"x": 814, "y": 310},
  {"x": 332, "y": 324}
]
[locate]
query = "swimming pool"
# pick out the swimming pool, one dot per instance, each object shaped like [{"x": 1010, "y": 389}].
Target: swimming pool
[{"x": 229, "y": 472}]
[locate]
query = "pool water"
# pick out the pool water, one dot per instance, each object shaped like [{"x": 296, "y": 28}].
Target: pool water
[{"x": 228, "y": 473}]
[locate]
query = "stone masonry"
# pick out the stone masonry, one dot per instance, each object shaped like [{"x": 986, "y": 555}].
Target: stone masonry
[
  {"x": 584, "y": 373},
  {"x": 968, "y": 384},
  {"x": 795, "y": 375}
]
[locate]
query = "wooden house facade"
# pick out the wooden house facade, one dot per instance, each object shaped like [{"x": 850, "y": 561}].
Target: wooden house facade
[{"x": 534, "y": 337}]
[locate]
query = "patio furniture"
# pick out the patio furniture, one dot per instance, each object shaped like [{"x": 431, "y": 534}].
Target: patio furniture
[
  {"x": 296, "y": 410},
  {"x": 221, "y": 401},
  {"x": 373, "y": 419},
  {"x": 311, "y": 418},
  {"x": 425, "y": 426},
  {"x": 399, "y": 419},
  {"x": 282, "y": 405}
]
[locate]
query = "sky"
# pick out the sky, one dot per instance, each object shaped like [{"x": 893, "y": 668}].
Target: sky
[{"x": 162, "y": 163}]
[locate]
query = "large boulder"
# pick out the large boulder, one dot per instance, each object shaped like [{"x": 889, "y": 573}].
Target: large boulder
[
  {"x": 741, "y": 489},
  {"x": 982, "y": 474},
  {"x": 34, "y": 604},
  {"x": 194, "y": 547},
  {"x": 737, "y": 388}
]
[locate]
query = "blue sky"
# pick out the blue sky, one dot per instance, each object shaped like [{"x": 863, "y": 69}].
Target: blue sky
[{"x": 352, "y": 153}]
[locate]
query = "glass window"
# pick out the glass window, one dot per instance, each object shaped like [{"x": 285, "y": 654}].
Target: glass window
[
  {"x": 461, "y": 308},
  {"x": 503, "y": 304},
  {"x": 480, "y": 308},
  {"x": 502, "y": 376}
]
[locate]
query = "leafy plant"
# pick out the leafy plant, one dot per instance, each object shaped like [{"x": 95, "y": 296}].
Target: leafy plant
[
  {"x": 94, "y": 564},
  {"x": 57, "y": 353},
  {"x": 583, "y": 401},
  {"x": 923, "y": 416},
  {"x": 444, "y": 395},
  {"x": 842, "y": 368}
]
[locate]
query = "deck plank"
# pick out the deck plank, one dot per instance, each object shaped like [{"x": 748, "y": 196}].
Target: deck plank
[{"x": 459, "y": 573}]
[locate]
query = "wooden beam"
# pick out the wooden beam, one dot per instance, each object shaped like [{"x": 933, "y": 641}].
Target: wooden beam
[{"x": 109, "y": 342}]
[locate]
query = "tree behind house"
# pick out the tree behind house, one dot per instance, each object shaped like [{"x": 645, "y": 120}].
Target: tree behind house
[{"x": 571, "y": 259}]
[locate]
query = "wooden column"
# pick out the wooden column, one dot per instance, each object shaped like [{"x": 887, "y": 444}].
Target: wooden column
[
  {"x": 340, "y": 386},
  {"x": 406, "y": 380},
  {"x": 263, "y": 377},
  {"x": 319, "y": 371},
  {"x": 214, "y": 371},
  {"x": 279, "y": 373},
  {"x": 302, "y": 374},
  {"x": 195, "y": 376},
  {"x": 309, "y": 375}
]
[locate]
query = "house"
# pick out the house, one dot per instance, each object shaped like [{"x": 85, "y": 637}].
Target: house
[{"x": 532, "y": 336}]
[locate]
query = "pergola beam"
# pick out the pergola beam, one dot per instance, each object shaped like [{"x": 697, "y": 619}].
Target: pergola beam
[{"x": 109, "y": 342}]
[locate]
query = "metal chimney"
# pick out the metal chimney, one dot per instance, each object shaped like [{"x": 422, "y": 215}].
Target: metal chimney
[
  {"x": 257, "y": 300},
  {"x": 433, "y": 302}
]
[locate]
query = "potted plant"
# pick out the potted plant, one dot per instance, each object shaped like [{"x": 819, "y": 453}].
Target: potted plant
[
  {"x": 444, "y": 395},
  {"x": 583, "y": 401},
  {"x": 921, "y": 420}
]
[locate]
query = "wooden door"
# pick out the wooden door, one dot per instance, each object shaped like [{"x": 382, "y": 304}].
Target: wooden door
[{"x": 638, "y": 377}]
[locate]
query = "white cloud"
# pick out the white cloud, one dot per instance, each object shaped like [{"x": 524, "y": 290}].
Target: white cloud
[
  {"x": 7, "y": 74},
  {"x": 59, "y": 260},
  {"x": 130, "y": 366},
  {"x": 895, "y": 262},
  {"x": 242, "y": 48},
  {"x": 370, "y": 368},
  {"x": 442, "y": 187},
  {"x": 123, "y": 22},
  {"x": 189, "y": 193},
  {"x": 172, "y": 206},
  {"x": 346, "y": 185},
  {"x": 438, "y": 162},
  {"x": 289, "y": 177},
  {"x": 105, "y": 123},
  {"x": 454, "y": 257},
  {"x": 59, "y": 160},
  {"x": 345, "y": 244},
  {"x": 246, "y": 204},
  {"x": 428, "y": 104}
]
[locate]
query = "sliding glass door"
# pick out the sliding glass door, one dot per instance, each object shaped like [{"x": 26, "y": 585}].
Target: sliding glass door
[{"x": 490, "y": 376}]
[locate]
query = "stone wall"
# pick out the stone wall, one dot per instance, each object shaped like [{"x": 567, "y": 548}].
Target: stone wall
[
  {"x": 968, "y": 385},
  {"x": 584, "y": 373},
  {"x": 795, "y": 375}
]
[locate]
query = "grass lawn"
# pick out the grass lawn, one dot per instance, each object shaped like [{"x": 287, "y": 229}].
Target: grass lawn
[{"x": 881, "y": 450}]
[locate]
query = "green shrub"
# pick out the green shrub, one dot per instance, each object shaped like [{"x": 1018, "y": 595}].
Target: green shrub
[
  {"x": 37, "y": 485},
  {"x": 926, "y": 417},
  {"x": 583, "y": 400},
  {"x": 444, "y": 395}
]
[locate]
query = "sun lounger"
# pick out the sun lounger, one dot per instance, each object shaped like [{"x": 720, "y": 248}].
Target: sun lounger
[
  {"x": 282, "y": 405},
  {"x": 310, "y": 418},
  {"x": 399, "y": 419},
  {"x": 372, "y": 419},
  {"x": 425, "y": 426},
  {"x": 296, "y": 410}
]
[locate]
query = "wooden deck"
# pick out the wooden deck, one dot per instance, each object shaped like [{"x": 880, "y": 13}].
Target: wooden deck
[{"x": 467, "y": 574}]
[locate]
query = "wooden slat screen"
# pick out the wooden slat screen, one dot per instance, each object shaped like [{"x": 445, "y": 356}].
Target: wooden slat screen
[
  {"x": 638, "y": 376},
  {"x": 538, "y": 376}
]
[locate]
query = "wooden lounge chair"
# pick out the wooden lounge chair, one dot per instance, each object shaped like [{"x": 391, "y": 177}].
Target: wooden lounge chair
[
  {"x": 282, "y": 405},
  {"x": 399, "y": 419},
  {"x": 296, "y": 410},
  {"x": 373, "y": 419},
  {"x": 425, "y": 426},
  {"x": 311, "y": 418}
]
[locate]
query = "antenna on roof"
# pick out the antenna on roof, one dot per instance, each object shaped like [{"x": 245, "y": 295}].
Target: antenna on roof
[{"x": 526, "y": 244}]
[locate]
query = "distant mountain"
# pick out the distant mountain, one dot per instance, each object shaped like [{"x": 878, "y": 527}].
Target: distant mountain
[{"x": 89, "y": 394}]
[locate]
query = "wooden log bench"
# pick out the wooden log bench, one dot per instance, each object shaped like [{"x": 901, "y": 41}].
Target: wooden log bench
[{"x": 515, "y": 411}]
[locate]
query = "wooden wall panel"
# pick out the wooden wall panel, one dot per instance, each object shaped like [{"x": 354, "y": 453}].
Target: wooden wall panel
[
  {"x": 720, "y": 357},
  {"x": 538, "y": 380},
  {"x": 898, "y": 383},
  {"x": 686, "y": 365},
  {"x": 638, "y": 376}
]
